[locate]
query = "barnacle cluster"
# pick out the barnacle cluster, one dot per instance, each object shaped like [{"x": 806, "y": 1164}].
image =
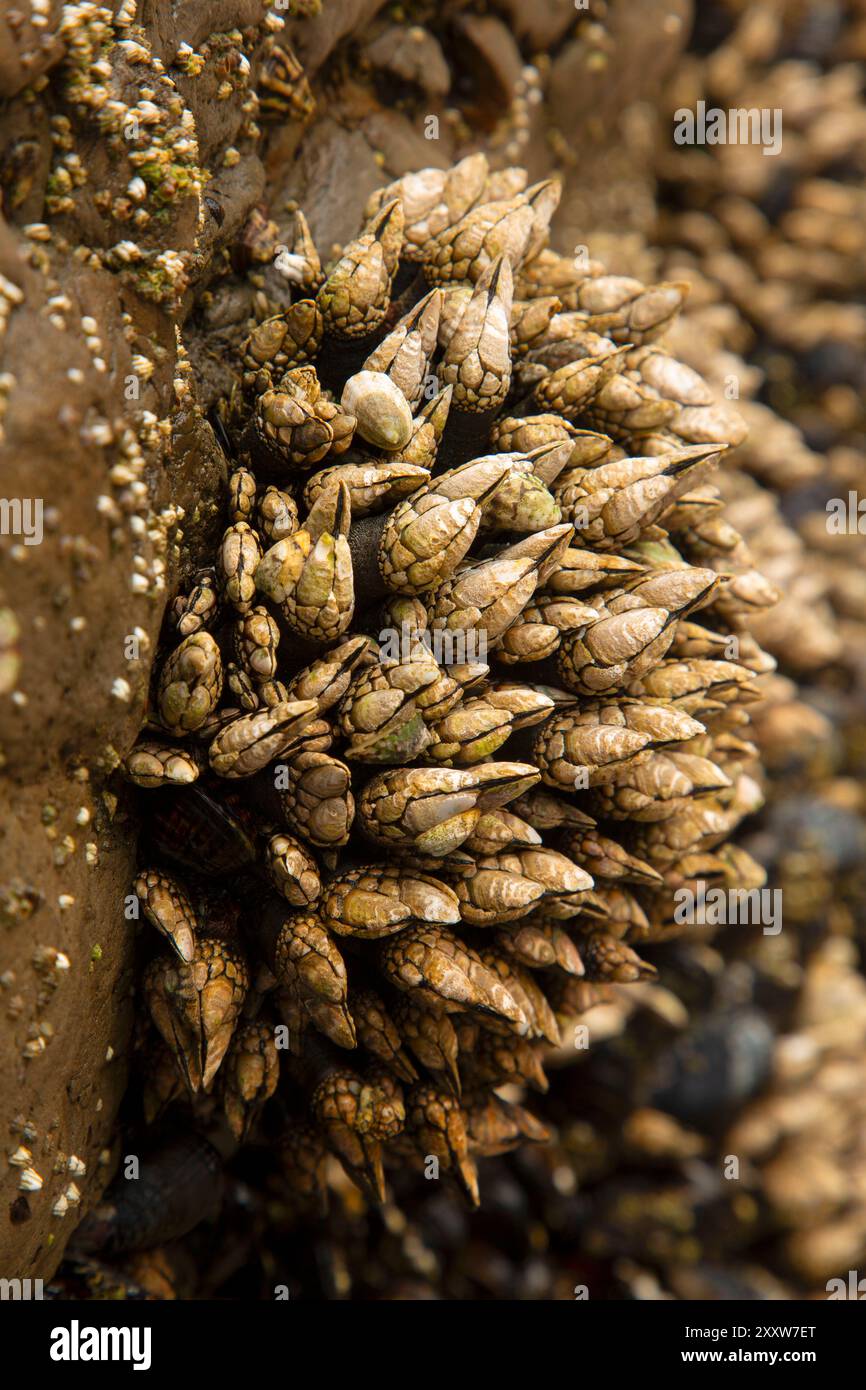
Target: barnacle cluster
[{"x": 460, "y": 704}]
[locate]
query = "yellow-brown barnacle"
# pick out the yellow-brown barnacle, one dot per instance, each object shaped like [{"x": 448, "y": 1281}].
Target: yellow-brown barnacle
[
  {"x": 471, "y": 733},
  {"x": 255, "y": 638},
  {"x": 372, "y": 486},
  {"x": 249, "y": 743},
  {"x": 431, "y": 809},
  {"x": 501, "y": 782},
  {"x": 525, "y": 705},
  {"x": 515, "y": 434},
  {"x": 437, "y": 1127},
  {"x": 199, "y": 609},
  {"x": 321, "y": 603},
  {"x": 700, "y": 418},
  {"x": 190, "y": 683},
  {"x": 608, "y": 960},
  {"x": 662, "y": 723},
  {"x": 426, "y": 537},
  {"x": 490, "y": 892},
  {"x": 500, "y": 830},
  {"x": 341, "y": 425},
  {"x": 196, "y": 1005},
  {"x": 677, "y": 680},
  {"x": 306, "y": 959},
  {"x": 563, "y": 881},
  {"x": 455, "y": 299},
  {"x": 288, "y": 339},
  {"x": 466, "y": 249},
  {"x": 334, "y": 1020},
  {"x": 570, "y": 997},
  {"x": 487, "y": 596},
  {"x": 238, "y": 560},
  {"x": 430, "y": 1036},
  {"x": 540, "y": 945},
  {"x": 625, "y": 407},
  {"x": 330, "y": 514},
  {"x": 528, "y": 639},
  {"x": 569, "y": 390},
  {"x": 249, "y": 1076},
  {"x": 629, "y": 311},
  {"x": 292, "y": 870},
  {"x": 298, "y": 260},
  {"x": 477, "y": 358},
  {"x": 717, "y": 424},
  {"x": 692, "y": 510},
  {"x": 529, "y": 322},
  {"x": 606, "y": 859},
  {"x": 167, "y": 907},
  {"x": 571, "y": 753},
  {"x": 501, "y": 1060},
  {"x": 274, "y": 692},
  {"x": 378, "y": 1033},
  {"x": 546, "y": 812},
  {"x": 381, "y": 411},
  {"x": 344, "y": 1107},
  {"x": 615, "y": 650},
  {"x": 285, "y": 89},
  {"x": 693, "y": 640},
  {"x": 285, "y": 430},
  {"x": 242, "y": 495},
  {"x": 613, "y": 503},
  {"x": 305, "y": 329},
  {"x": 653, "y": 790},
  {"x": 582, "y": 570},
  {"x": 527, "y": 994},
  {"x": 522, "y": 503},
  {"x": 317, "y": 800},
  {"x": 381, "y": 899},
  {"x": 389, "y": 1110},
  {"x": 282, "y": 565},
  {"x": 355, "y": 296},
  {"x": 550, "y": 273},
  {"x": 545, "y": 549},
  {"x": 380, "y": 713},
  {"x": 624, "y": 917},
  {"x": 404, "y": 355},
  {"x": 428, "y": 426},
  {"x": 438, "y": 969},
  {"x": 276, "y": 515},
  {"x": 244, "y": 693},
  {"x": 315, "y": 737},
  {"x": 495, "y": 1126},
  {"x": 503, "y": 183},
  {"x": 329, "y": 677},
  {"x": 432, "y": 200},
  {"x": 745, "y": 593},
  {"x": 680, "y": 591},
  {"x": 154, "y": 764}
]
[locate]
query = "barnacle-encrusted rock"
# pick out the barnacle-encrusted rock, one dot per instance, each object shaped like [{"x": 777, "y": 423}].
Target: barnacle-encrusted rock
[{"x": 414, "y": 652}]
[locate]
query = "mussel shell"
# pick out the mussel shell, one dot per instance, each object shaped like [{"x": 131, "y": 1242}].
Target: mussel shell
[{"x": 193, "y": 828}]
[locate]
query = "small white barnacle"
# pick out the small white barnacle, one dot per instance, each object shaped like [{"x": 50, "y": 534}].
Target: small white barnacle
[{"x": 30, "y": 1181}]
